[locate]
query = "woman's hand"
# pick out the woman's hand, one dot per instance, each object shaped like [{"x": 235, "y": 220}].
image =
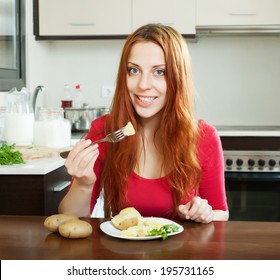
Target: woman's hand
[
  {"x": 80, "y": 162},
  {"x": 197, "y": 210}
]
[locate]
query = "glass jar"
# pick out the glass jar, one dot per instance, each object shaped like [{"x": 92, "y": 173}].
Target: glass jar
[
  {"x": 52, "y": 129},
  {"x": 19, "y": 118}
]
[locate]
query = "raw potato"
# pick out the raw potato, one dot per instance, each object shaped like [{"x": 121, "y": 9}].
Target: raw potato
[
  {"x": 53, "y": 222},
  {"x": 75, "y": 229},
  {"x": 127, "y": 218}
]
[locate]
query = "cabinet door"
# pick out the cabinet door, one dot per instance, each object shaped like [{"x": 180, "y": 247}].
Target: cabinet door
[
  {"x": 84, "y": 18},
  {"x": 238, "y": 12},
  {"x": 180, "y": 14}
]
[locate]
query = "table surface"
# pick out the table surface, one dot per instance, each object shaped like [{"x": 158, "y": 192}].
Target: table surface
[{"x": 24, "y": 237}]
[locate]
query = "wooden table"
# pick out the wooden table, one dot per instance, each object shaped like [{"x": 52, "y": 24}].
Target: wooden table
[{"x": 24, "y": 237}]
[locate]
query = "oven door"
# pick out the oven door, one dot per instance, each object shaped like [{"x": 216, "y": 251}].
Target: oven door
[{"x": 253, "y": 196}]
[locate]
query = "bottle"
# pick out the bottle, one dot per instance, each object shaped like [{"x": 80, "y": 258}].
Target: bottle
[
  {"x": 66, "y": 98},
  {"x": 78, "y": 97}
]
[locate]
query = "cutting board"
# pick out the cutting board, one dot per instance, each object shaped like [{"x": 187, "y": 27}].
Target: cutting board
[{"x": 36, "y": 152}]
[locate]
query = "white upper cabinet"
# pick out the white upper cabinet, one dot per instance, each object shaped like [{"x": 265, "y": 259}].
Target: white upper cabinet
[
  {"x": 180, "y": 14},
  {"x": 83, "y": 17},
  {"x": 238, "y": 12}
]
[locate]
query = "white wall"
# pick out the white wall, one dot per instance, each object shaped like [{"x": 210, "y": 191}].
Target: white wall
[{"x": 237, "y": 78}]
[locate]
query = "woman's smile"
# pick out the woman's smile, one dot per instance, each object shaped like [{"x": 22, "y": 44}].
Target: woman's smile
[{"x": 145, "y": 100}]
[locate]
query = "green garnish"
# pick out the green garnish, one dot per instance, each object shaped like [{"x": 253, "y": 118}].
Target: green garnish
[
  {"x": 164, "y": 231},
  {"x": 8, "y": 155}
]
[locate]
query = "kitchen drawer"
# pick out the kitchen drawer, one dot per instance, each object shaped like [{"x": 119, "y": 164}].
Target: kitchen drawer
[{"x": 33, "y": 194}]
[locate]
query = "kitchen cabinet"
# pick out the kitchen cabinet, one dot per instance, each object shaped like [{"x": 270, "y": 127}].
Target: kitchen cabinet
[
  {"x": 238, "y": 12},
  {"x": 81, "y": 19},
  {"x": 179, "y": 14},
  {"x": 33, "y": 194},
  {"x": 107, "y": 19}
]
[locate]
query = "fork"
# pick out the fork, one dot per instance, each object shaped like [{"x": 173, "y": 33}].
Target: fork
[{"x": 113, "y": 137}]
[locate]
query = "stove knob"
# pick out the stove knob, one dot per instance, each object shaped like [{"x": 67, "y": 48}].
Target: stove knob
[
  {"x": 239, "y": 162},
  {"x": 229, "y": 162},
  {"x": 251, "y": 162},
  {"x": 261, "y": 163},
  {"x": 272, "y": 162}
]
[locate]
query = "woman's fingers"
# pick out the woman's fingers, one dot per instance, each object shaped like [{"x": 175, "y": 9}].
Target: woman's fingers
[
  {"x": 197, "y": 210},
  {"x": 79, "y": 146},
  {"x": 81, "y": 159}
]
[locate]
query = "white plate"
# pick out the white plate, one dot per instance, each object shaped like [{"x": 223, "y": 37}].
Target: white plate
[{"x": 108, "y": 228}]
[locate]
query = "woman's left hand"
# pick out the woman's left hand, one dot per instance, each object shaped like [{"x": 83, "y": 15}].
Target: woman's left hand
[{"x": 197, "y": 210}]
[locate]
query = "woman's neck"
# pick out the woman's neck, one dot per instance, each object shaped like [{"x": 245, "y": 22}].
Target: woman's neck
[{"x": 150, "y": 158}]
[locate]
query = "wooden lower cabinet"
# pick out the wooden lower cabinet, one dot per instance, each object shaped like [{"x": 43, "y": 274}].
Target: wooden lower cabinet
[{"x": 36, "y": 195}]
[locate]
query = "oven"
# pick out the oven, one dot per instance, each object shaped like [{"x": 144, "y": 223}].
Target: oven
[{"x": 252, "y": 177}]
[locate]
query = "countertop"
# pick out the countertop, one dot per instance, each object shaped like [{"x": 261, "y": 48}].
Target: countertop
[
  {"x": 24, "y": 237},
  {"x": 40, "y": 166},
  {"x": 249, "y": 131}
]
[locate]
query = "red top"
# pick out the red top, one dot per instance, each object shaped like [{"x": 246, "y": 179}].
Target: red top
[{"x": 153, "y": 197}]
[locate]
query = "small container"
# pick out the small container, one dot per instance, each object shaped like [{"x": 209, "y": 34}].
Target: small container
[
  {"x": 66, "y": 99},
  {"x": 52, "y": 129}
]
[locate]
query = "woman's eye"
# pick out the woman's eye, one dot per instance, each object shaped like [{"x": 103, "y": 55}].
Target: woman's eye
[
  {"x": 133, "y": 71},
  {"x": 160, "y": 72}
]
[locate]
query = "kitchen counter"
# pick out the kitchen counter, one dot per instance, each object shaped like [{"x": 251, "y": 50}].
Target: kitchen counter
[
  {"x": 36, "y": 187},
  {"x": 24, "y": 237},
  {"x": 249, "y": 131},
  {"x": 40, "y": 166}
]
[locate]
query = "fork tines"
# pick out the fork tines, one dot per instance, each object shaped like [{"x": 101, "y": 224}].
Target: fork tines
[{"x": 117, "y": 135}]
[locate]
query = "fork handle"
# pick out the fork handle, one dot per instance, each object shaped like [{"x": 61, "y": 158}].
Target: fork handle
[
  {"x": 66, "y": 153},
  {"x": 98, "y": 141}
]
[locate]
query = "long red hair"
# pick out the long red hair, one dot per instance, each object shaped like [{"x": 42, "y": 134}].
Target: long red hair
[{"x": 178, "y": 126}]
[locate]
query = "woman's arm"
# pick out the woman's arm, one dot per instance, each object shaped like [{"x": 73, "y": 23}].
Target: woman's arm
[
  {"x": 79, "y": 165},
  {"x": 221, "y": 215},
  {"x": 76, "y": 201},
  {"x": 210, "y": 203}
]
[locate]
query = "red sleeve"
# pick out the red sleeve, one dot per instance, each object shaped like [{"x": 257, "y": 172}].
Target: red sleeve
[
  {"x": 210, "y": 153},
  {"x": 97, "y": 132}
]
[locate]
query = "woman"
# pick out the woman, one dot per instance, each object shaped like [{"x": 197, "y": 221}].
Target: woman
[{"x": 173, "y": 166}]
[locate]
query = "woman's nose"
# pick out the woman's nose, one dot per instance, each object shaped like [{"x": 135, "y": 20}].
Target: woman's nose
[{"x": 145, "y": 82}]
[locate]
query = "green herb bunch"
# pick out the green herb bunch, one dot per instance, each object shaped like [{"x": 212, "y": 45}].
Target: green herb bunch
[
  {"x": 164, "y": 231},
  {"x": 9, "y": 156}
]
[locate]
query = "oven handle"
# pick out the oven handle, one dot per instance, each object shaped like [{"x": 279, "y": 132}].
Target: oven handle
[{"x": 252, "y": 176}]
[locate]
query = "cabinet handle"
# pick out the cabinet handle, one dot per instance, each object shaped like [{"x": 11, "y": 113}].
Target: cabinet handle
[
  {"x": 242, "y": 14},
  {"x": 61, "y": 186},
  {"x": 83, "y": 24}
]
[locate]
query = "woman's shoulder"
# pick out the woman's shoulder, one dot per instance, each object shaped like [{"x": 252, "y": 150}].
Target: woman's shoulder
[
  {"x": 206, "y": 128},
  {"x": 208, "y": 134}
]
